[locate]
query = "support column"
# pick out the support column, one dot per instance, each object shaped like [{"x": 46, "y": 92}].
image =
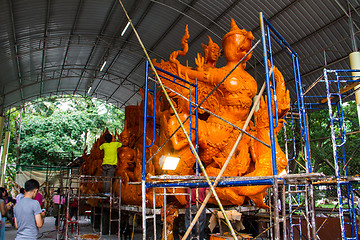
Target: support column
[
  {"x": 2, "y": 120},
  {"x": 4, "y": 157},
  {"x": 355, "y": 65}
]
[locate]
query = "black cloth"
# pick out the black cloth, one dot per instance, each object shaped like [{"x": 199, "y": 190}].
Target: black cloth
[{"x": 201, "y": 222}]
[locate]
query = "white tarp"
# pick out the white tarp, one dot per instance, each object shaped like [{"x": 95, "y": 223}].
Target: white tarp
[{"x": 52, "y": 177}]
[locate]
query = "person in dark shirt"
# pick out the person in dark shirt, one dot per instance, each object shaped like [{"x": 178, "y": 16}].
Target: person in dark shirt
[{"x": 197, "y": 198}]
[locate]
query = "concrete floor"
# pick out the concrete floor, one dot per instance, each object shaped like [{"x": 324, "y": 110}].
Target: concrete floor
[{"x": 48, "y": 230}]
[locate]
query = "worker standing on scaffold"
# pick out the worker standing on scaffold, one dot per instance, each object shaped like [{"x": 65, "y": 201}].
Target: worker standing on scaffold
[{"x": 109, "y": 161}]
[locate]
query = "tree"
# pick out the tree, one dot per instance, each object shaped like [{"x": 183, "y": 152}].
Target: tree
[
  {"x": 60, "y": 125},
  {"x": 321, "y": 144}
]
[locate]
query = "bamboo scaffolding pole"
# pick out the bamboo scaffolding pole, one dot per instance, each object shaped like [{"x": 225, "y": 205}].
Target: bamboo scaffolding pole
[
  {"x": 228, "y": 159},
  {"x": 182, "y": 127}
]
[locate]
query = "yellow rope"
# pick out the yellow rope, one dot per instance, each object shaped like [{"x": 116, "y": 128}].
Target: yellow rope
[{"x": 133, "y": 228}]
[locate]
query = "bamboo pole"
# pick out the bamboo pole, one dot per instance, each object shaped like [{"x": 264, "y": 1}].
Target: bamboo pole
[
  {"x": 227, "y": 160},
  {"x": 4, "y": 157},
  {"x": 182, "y": 127}
]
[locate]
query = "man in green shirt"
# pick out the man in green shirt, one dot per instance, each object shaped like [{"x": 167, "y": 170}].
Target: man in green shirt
[{"x": 109, "y": 161}]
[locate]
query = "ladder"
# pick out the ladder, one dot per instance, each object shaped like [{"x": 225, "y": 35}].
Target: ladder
[
  {"x": 300, "y": 207},
  {"x": 338, "y": 136},
  {"x": 72, "y": 193},
  {"x": 290, "y": 140},
  {"x": 115, "y": 205}
]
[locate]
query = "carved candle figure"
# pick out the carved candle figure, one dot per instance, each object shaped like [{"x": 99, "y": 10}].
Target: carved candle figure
[{"x": 232, "y": 101}]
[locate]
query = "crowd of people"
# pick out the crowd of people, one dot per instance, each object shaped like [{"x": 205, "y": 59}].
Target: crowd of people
[{"x": 26, "y": 212}]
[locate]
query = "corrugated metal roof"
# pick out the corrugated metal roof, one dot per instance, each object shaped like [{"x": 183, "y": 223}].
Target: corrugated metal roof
[{"x": 58, "y": 47}]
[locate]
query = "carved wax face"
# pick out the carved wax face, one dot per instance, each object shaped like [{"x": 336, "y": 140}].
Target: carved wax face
[
  {"x": 236, "y": 46},
  {"x": 125, "y": 138},
  {"x": 214, "y": 52},
  {"x": 247, "y": 42},
  {"x": 237, "y": 42}
]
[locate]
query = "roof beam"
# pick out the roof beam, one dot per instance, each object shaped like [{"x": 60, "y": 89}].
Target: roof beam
[
  {"x": 88, "y": 38},
  {"x": 277, "y": 14},
  {"x": 60, "y": 94},
  {"x": 44, "y": 45},
  {"x": 69, "y": 41},
  {"x": 53, "y": 70},
  {"x": 312, "y": 34},
  {"x": 293, "y": 45},
  {"x": 130, "y": 97},
  {"x": 18, "y": 65},
  {"x": 318, "y": 30},
  {"x": 325, "y": 48},
  {"x": 108, "y": 15},
  {"x": 56, "y": 78}
]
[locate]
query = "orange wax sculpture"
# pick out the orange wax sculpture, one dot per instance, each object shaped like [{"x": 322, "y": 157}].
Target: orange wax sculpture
[{"x": 232, "y": 101}]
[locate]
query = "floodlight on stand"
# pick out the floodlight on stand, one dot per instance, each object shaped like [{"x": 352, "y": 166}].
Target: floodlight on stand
[{"x": 168, "y": 162}]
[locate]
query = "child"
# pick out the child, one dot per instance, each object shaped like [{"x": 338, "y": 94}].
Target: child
[{"x": 109, "y": 162}]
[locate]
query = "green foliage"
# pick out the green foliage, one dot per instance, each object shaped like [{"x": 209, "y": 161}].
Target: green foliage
[
  {"x": 321, "y": 143},
  {"x": 60, "y": 125},
  {"x": 322, "y": 149}
]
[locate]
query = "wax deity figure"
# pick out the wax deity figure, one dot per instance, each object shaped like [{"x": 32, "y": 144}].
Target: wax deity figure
[{"x": 232, "y": 101}]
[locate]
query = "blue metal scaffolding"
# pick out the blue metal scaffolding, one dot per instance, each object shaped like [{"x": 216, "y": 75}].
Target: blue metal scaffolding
[
  {"x": 333, "y": 80},
  {"x": 335, "y": 84},
  {"x": 270, "y": 36}
]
